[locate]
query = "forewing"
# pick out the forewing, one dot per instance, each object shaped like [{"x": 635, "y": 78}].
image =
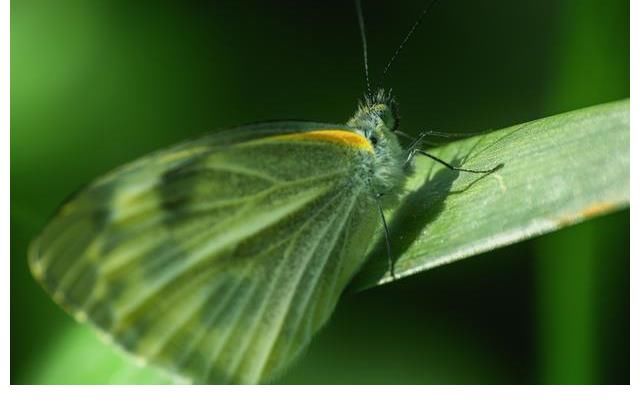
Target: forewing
[{"x": 217, "y": 263}]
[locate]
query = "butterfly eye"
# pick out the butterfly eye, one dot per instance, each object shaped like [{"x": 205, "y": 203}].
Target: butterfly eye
[{"x": 374, "y": 140}]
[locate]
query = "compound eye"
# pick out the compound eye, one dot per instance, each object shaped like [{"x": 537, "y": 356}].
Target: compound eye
[{"x": 374, "y": 140}]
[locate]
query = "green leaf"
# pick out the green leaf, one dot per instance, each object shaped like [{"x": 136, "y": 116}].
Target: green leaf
[{"x": 557, "y": 171}]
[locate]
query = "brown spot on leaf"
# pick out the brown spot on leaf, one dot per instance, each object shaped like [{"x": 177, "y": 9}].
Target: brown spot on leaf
[
  {"x": 590, "y": 211},
  {"x": 597, "y": 209}
]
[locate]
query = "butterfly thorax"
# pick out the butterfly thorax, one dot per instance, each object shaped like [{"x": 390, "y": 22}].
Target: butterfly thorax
[{"x": 377, "y": 119}]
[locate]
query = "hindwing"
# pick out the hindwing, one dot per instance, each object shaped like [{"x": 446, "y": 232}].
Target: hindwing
[{"x": 216, "y": 259}]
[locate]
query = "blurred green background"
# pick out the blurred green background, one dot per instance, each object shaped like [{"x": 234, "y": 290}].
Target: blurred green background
[{"x": 97, "y": 83}]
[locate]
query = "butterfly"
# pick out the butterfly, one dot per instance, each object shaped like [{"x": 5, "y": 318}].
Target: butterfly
[{"x": 218, "y": 259}]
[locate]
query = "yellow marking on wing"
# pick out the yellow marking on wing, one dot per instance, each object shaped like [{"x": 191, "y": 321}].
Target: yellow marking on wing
[{"x": 337, "y": 136}]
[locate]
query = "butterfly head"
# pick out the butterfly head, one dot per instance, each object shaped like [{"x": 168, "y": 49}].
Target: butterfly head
[
  {"x": 377, "y": 120},
  {"x": 374, "y": 111}
]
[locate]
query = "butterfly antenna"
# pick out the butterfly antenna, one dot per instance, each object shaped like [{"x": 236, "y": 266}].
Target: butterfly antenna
[
  {"x": 424, "y": 12},
  {"x": 364, "y": 45}
]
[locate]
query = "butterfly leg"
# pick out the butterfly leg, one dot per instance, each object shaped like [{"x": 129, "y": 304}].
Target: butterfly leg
[
  {"x": 413, "y": 147},
  {"x": 387, "y": 239},
  {"x": 458, "y": 169}
]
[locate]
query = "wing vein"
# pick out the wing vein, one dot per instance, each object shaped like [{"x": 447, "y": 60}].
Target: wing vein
[
  {"x": 304, "y": 301},
  {"x": 269, "y": 346}
]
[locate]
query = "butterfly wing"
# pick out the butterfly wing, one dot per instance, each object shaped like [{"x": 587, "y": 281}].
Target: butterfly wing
[{"x": 217, "y": 260}]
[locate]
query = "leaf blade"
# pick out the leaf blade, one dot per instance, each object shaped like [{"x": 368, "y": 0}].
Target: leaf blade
[{"x": 557, "y": 171}]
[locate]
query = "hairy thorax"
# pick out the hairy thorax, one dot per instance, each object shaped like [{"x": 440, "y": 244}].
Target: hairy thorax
[{"x": 376, "y": 119}]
